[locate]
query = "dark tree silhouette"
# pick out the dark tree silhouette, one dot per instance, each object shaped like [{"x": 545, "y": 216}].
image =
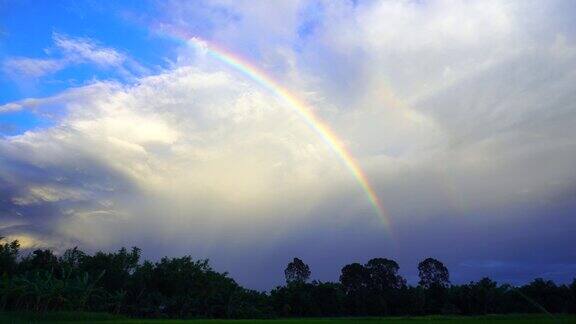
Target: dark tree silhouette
[
  {"x": 8, "y": 257},
  {"x": 117, "y": 282},
  {"x": 40, "y": 260},
  {"x": 545, "y": 295},
  {"x": 355, "y": 282},
  {"x": 297, "y": 272},
  {"x": 433, "y": 273},
  {"x": 572, "y": 288},
  {"x": 354, "y": 278},
  {"x": 383, "y": 274},
  {"x": 383, "y": 283},
  {"x": 435, "y": 279}
]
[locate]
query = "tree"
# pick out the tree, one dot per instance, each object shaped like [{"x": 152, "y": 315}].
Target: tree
[
  {"x": 484, "y": 294},
  {"x": 8, "y": 257},
  {"x": 573, "y": 293},
  {"x": 117, "y": 267},
  {"x": 546, "y": 296},
  {"x": 433, "y": 273},
  {"x": 72, "y": 259},
  {"x": 329, "y": 298},
  {"x": 383, "y": 283},
  {"x": 383, "y": 274},
  {"x": 354, "y": 279},
  {"x": 434, "y": 278},
  {"x": 297, "y": 272},
  {"x": 184, "y": 288},
  {"x": 40, "y": 260}
]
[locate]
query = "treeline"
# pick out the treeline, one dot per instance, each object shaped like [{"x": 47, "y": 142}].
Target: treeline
[{"x": 185, "y": 288}]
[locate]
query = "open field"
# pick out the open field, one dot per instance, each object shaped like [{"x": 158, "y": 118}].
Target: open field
[{"x": 105, "y": 318}]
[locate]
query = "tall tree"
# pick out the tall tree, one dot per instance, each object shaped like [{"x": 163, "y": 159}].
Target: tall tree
[
  {"x": 433, "y": 273},
  {"x": 40, "y": 260},
  {"x": 297, "y": 272},
  {"x": 383, "y": 283},
  {"x": 355, "y": 280},
  {"x": 435, "y": 279},
  {"x": 9, "y": 257},
  {"x": 383, "y": 274},
  {"x": 572, "y": 287}
]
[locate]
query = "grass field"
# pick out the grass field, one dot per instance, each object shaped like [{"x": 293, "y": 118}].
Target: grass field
[{"x": 106, "y": 318}]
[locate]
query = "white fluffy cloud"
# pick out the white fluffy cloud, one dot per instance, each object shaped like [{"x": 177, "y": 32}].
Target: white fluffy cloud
[
  {"x": 69, "y": 51},
  {"x": 452, "y": 108},
  {"x": 33, "y": 68},
  {"x": 84, "y": 49},
  {"x": 198, "y": 149}
]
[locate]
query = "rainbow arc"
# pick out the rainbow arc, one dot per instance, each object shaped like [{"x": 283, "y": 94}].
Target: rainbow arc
[{"x": 302, "y": 109}]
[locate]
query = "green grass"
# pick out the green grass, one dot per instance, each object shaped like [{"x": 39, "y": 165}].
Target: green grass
[{"x": 111, "y": 319}]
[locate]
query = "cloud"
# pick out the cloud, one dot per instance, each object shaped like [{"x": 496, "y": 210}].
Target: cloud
[
  {"x": 86, "y": 50},
  {"x": 459, "y": 112},
  {"x": 199, "y": 149},
  {"x": 46, "y": 194},
  {"x": 33, "y": 68},
  {"x": 72, "y": 51},
  {"x": 52, "y": 106}
]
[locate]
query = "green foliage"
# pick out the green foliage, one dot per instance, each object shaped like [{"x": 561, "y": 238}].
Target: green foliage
[
  {"x": 118, "y": 283},
  {"x": 8, "y": 257},
  {"x": 433, "y": 273},
  {"x": 63, "y": 317},
  {"x": 308, "y": 299},
  {"x": 375, "y": 288},
  {"x": 297, "y": 272}
]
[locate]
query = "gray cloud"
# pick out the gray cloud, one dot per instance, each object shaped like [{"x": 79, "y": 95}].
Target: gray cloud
[{"x": 459, "y": 112}]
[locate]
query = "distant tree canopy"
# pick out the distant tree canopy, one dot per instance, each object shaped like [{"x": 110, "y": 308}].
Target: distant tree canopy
[
  {"x": 297, "y": 272},
  {"x": 8, "y": 257},
  {"x": 118, "y": 282},
  {"x": 371, "y": 289},
  {"x": 433, "y": 273},
  {"x": 354, "y": 278},
  {"x": 383, "y": 275}
]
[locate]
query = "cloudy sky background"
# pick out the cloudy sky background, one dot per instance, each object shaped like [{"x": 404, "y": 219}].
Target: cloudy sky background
[{"x": 116, "y": 131}]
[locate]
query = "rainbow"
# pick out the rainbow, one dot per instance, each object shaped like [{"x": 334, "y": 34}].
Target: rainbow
[{"x": 301, "y": 109}]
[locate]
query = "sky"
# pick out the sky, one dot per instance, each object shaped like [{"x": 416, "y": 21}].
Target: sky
[{"x": 251, "y": 132}]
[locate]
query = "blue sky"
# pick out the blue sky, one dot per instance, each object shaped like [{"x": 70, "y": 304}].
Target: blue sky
[
  {"x": 116, "y": 130},
  {"x": 28, "y": 30}
]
